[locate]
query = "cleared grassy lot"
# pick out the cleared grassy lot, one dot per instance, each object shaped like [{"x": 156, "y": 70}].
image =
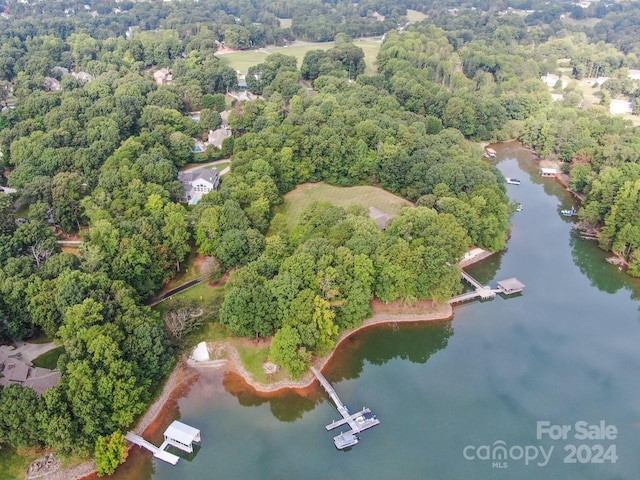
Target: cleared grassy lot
[
  {"x": 297, "y": 200},
  {"x": 415, "y": 16},
  {"x": 241, "y": 61}
]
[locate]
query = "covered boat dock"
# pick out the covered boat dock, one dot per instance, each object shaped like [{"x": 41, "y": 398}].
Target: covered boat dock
[{"x": 510, "y": 286}]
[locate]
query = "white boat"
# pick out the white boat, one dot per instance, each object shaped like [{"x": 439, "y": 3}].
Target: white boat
[
  {"x": 345, "y": 440},
  {"x": 519, "y": 207},
  {"x": 513, "y": 181},
  {"x": 568, "y": 213}
]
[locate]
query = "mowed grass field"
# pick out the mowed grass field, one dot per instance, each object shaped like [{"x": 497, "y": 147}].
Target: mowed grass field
[
  {"x": 297, "y": 200},
  {"x": 241, "y": 61},
  {"x": 415, "y": 16}
]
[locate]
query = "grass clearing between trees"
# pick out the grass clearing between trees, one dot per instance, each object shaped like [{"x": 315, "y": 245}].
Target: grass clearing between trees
[
  {"x": 14, "y": 463},
  {"x": 415, "y": 16},
  {"x": 242, "y": 61},
  {"x": 50, "y": 359},
  {"x": 297, "y": 200}
]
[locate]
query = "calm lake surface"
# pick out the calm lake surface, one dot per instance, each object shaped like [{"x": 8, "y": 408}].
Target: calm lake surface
[{"x": 566, "y": 351}]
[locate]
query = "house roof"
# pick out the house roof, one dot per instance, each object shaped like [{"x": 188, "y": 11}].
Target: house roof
[
  {"x": 201, "y": 173},
  {"x": 217, "y": 137},
  {"x": 181, "y": 432},
  {"x": 511, "y": 284},
  {"x": 380, "y": 217},
  {"x": 15, "y": 370}
]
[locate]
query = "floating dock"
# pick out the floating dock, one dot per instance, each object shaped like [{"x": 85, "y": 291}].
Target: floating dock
[
  {"x": 359, "y": 422},
  {"x": 509, "y": 286}
]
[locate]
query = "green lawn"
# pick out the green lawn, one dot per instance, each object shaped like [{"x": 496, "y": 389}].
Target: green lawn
[
  {"x": 241, "y": 61},
  {"x": 14, "y": 464},
  {"x": 198, "y": 294},
  {"x": 252, "y": 358},
  {"x": 297, "y": 200},
  {"x": 415, "y": 16},
  {"x": 50, "y": 359}
]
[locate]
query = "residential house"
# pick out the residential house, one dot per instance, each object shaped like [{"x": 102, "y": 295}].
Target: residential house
[
  {"x": 16, "y": 369},
  {"x": 82, "y": 77},
  {"x": 634, "y": 74},
  {"x": 197, "y": 183},
  {"x": 620, "y": 107},
  {"x": 380, "y": 217},
  {"x": 51, "y": 84},
  {"x": 216, "y": 137},
  {"x": 163, "y": 76},
  {"x": 551, "y": 80}
]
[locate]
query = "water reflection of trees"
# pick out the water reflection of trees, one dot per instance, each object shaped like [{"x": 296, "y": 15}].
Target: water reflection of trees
[
  {"x": 415, "y": 342},
  {"x": 605, "y": 277},
  {"x": 285, "y": 405},
  {"x": 486, "y": 270}
]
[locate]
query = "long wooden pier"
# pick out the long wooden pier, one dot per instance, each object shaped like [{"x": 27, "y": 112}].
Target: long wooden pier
[
  {"x": 358, "y": 422},
  {"x": 157, "y": 452}
]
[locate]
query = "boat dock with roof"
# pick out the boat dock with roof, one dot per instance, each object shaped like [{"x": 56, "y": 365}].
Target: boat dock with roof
[
  {"x": 509, "y": 286},
  {"x": 359, "y": 422},
  {"x": 178, "y": 434}
]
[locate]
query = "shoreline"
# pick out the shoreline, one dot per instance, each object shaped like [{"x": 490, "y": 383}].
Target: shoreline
[
  {"x": 441, "y": 312},
  {"x": 435, "y": 312},
  {"x": 432, "y": 313}
]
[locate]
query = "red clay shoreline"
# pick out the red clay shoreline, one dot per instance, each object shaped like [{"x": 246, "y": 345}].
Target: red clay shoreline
[{"x": 182, "y": 372}]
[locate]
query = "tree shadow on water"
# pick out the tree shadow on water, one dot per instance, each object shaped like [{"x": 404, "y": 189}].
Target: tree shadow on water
[
  {"x": 286, "y": 405},
  {"x": 416, "y": 342},
  {"x": 605, "y": 277},
  {"x": 377, "y": 345}
]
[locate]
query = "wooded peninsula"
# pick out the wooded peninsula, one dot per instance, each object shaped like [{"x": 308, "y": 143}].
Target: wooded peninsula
[{"x": 106, "y": 106}]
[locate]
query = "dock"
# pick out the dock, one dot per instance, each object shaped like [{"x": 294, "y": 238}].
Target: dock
[
  {"x": 157, "y": 452},
  {"x": 358, "y": 422},
  {"x": 509, "y": 286},
  {"x": 178, "y": 435}
]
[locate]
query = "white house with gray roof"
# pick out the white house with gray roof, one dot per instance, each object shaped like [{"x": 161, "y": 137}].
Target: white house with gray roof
[{"x": 197, "y": 183}]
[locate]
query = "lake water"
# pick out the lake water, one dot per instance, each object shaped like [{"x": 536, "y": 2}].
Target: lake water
[{"x": 566, "y": 351}]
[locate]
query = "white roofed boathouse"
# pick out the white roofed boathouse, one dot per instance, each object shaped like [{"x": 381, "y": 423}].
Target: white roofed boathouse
[{"x": 181, "y": 436}]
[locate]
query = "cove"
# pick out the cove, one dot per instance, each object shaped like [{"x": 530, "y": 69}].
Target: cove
[{"x": 564, "y": 352}]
